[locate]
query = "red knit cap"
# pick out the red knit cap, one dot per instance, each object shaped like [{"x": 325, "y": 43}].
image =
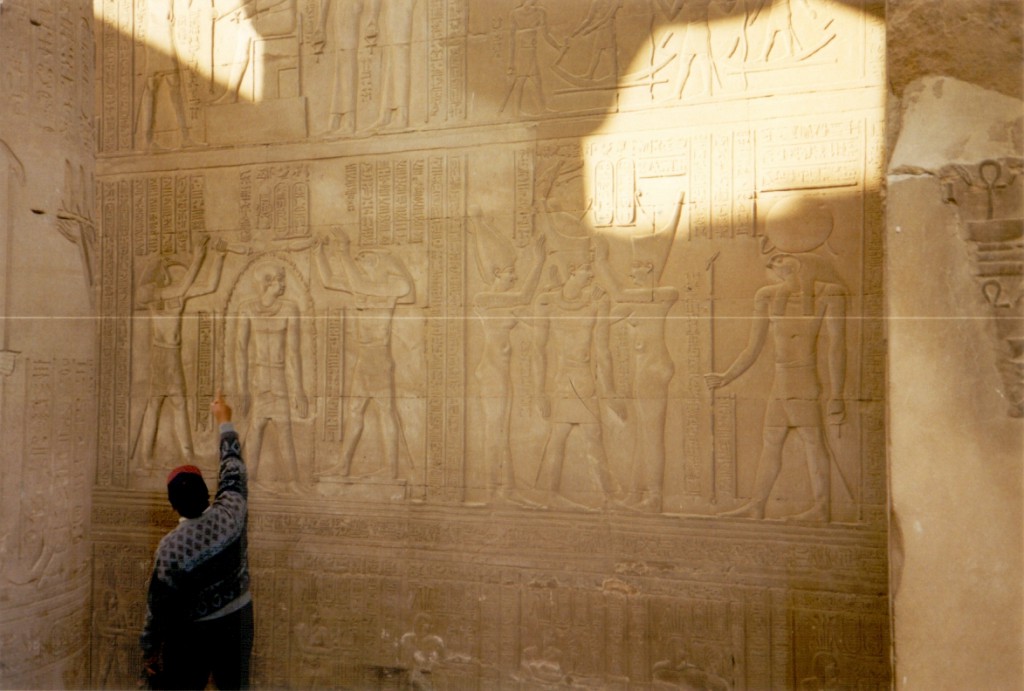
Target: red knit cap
[{"x": 190, "y": 469}]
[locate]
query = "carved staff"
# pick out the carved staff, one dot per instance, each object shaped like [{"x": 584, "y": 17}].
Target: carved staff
[
  {"x": 12, "y": 173},
  {"x": 710, "y": 268}
]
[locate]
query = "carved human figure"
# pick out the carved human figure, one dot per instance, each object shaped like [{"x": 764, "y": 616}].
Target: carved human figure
[
  {"x": 256, "y": 19},
  {"x": 528, "y": 23},
  {"x": 599, "y": 22},
  {"x": 377, "y": 282},
  {"x": 644, "y": 305},
  {"x": 580, "y": 377},
  {"x": 164, "y": 293},
  {"x": 268, "y": 365},
  {"x": 805, "y": 298},
  {"x": 162, "y": 68},
  {"x": 779, "y": 23},
  {"x": 695, "y": 52},
  {"x": 348, "y": 26},
  {"x": 500, "y": 309},
  {"x": 396, "y": 64}
]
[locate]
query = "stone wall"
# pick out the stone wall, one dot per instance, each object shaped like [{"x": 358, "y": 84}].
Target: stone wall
[
  {"x": 553, "y": 329},
  {"x": 48, "y": 361}
]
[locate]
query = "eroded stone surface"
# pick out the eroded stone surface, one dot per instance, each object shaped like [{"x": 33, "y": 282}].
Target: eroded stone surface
[
  {"x": 956, "y": 317},
  {"x": 49, "y": 253}
]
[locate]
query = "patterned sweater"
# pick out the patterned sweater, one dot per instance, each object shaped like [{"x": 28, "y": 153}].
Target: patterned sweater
[{"x": 201, "y": 567}]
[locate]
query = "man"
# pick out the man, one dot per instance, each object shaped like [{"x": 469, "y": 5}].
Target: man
[
  {"x": 199, "y": 610},
  {"x": 581, "y": 377},
  {"x": 270, "y": 377},
  {"x": 347, "y": 16},
  {"x": 162, "y": 69},
  {"x": 806, "y": 299},
  {"x": 378, "y": 282},
  {"x": 396, "y": 67},
  {"x": 165, "y": 297},
  {"x": 256, "y": 21}
]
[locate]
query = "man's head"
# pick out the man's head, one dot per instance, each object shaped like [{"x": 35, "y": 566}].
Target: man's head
[
  {"x": 187, "y": 491},
  {"x": 270, "y": 281}
]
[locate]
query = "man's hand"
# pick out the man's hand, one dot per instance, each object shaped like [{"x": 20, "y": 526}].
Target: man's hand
[
  {"x": 220, "y": 409},
  {"x": 150, "y": 670},
  {"x": 301, "y": 405},
  {"x": 715, "y": 380}
]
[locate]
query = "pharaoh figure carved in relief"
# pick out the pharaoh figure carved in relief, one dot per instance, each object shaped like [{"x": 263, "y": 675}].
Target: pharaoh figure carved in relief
[
  {"x": 528, "y": 24},
  {"x": 500, "y": 308},
  {"x": 378, "y": 282},
  {"x": 571, "y": 391},
  {"x": 644, "y": 305},
  {"x": 268, "y": 364},
  {"x": 163, "y": 69},
  {"x": 347, "y": 27},
  {"x": 256, "y": 19},
  {"x": 807, "y": 297},
  {"x": 164, "y": 287}
]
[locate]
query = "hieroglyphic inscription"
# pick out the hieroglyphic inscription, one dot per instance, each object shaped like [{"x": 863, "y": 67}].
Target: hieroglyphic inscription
[
  {"x": 204, "y": 384},
  {"x": 693, "y": 460},
  {"x": 390, "y": 196},
  {"x": 456, "y": 58},
  {"x": 114, "y": 340},
  {"x": 124, "y": 48},
  {"x": 842, "y": 646},
  {"x": 725, "y": 446},
  {"x": 455, "y": 350},
  {"x": 334, "y": 373},
  {"x": 523, "y": 182},
  {"x": 436, "y": 311},
  {"x": 700, "y": 186},
  {"x": 810, "y": 155},
  {"x": 107, "y": 391},
  {"x": 47, "y": 68},
  {"x": 436, "y": 59},
  {"x": 273, "y": 202},
  {"x": 122, "y": 339},
  {"x": 166, "y": 212},
  {"x": 15, "y": 75}
]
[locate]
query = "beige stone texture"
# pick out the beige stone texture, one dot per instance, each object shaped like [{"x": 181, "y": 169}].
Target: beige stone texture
[
  {"x": 49, "y": 273},
  {"x": 974, "y": 41},
  {"x": 955, "y": 222}
]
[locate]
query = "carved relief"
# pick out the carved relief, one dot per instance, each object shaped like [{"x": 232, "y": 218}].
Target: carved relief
[
  {"x": 419, "y": 319},
  {"x": 164, "y": 286},
  {"x": 268, "y": 353},
  {"x": 377, "y": 283},
  {"x": 990, "y": 197},
  {"x": 807, "y": 299}
]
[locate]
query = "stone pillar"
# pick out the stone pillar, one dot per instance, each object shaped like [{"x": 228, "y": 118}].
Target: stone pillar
[
  {"x": 956, "y": 323},
  {"x": 48, "y": 243}
]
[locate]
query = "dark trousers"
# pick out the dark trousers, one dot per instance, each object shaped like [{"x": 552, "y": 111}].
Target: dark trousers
[{"x": 219, "y": 647}]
